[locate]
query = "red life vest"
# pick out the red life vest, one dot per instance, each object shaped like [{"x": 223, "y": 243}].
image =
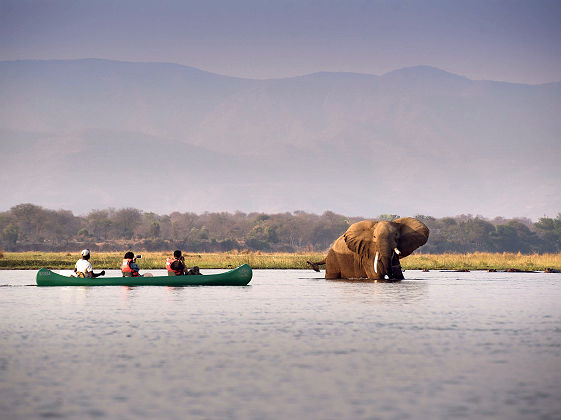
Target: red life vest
[
  {"x": 126, "y": 267},
  {"x": 169, "y": 262}
]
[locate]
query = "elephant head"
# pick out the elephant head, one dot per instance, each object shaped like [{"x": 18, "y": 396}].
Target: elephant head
[{"x": 379, "y": 245}]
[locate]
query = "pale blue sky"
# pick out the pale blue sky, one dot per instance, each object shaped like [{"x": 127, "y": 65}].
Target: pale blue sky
[{"x": 516, "y": 41}]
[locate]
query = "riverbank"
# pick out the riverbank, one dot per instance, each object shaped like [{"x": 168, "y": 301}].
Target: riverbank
[{"x": 257, "y": 260}]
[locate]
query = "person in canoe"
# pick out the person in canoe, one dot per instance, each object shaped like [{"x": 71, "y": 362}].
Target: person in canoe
[
  {"x": 129, "y": 267},
  {"x": 83, "y": 267},
  {"x": 176, "y": 265},
  {"x": 194, "y": 271}
]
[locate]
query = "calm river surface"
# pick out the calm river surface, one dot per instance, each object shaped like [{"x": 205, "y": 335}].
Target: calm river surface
[{"x": 291, "y": 345}]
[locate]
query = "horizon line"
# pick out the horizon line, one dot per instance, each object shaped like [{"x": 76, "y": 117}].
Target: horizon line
[{"x": 426, "y": 66}]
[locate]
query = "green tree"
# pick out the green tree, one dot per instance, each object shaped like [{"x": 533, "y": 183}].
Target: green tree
[
  {"x": 30, "y": 220},
  {"x": 61, "y": 225},
  {"x": 515, "y": 236},
  {"x": 549, "y": 232},
  {"x": 155, "y": 230},
  {"x": 83, "y": 233},
  {"x": 262, "y": 236},
  {"x": 125, "y": 222},
  {"x": 5, "y": 220},
  {"x": 10, "y": 234},
  {"x": 98, "y": 223},
  {"x": 388, "y": 217}
]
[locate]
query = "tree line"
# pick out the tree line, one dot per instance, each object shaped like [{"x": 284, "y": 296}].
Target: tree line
[{"x": 28, "y": 227}]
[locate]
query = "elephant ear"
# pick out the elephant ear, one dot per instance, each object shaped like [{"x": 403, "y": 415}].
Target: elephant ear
[
  {"x": 413, "y": 234},
  {"x": 360, "y": 236}
]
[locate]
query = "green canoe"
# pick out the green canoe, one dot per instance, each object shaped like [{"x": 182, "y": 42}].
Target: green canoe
[{"x": 240, "y": 276}]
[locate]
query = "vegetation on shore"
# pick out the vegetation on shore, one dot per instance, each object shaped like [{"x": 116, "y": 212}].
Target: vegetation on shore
[
  {"x": 483, "y": 261},
  {"x": 27, "y": 227},
  {"x": 258, "y": 260}
]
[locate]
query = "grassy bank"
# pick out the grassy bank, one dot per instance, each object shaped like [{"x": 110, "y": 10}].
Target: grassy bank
[
  {"x": 156, "y": 260},
  {"x": 482, "y": 261}
]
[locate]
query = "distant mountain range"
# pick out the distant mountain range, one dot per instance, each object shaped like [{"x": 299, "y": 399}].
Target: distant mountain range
[{"x": 93, "y": 133}]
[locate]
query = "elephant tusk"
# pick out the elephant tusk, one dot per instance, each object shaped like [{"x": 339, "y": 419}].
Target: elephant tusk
[
  {"x": 376, "y": 263},
  {"x": 397, "y": 251}
]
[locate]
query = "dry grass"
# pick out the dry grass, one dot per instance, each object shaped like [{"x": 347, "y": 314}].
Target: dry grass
[
  {"x": 482, "y": 261},
  {"x": 156, "y": 260},
  {"x": 258, "y": 260}
]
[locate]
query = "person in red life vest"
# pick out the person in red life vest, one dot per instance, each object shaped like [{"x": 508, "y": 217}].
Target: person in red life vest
[
  {"x": 129, "y": 267},
  {"x": 176, "y": 264}
]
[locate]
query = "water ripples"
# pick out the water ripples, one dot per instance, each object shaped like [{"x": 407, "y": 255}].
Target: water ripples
[{"x": 440, "y": 345}]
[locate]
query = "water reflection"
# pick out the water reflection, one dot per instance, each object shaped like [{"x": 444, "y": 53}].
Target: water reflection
[
  {"x": 77, "y": 294},
  {"x": 127, "y": 293},
  {"x": 372, "y": 292},
  {"x": 174, "y": 293}
]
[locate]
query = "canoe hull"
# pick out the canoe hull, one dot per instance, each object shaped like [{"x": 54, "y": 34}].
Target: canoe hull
[{"x": 240, "y": 276}]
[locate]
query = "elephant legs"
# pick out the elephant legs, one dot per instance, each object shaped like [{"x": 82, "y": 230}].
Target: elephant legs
[
  {"x": 332, "y": 273},
  {"x": 344, "y": 266},
  {"x": 396, "y": 268}
]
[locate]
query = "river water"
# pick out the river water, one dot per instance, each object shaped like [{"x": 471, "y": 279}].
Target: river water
[{"x": 291, "y": 345}]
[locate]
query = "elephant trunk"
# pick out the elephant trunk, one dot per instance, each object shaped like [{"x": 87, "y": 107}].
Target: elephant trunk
[
  {"x": 382, "y": 265},
  {"x": 387, "y": 266},
  {"x": 384, "y": 262}
]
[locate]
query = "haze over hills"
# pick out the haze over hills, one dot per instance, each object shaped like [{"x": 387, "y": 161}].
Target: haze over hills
[{"x": 84, "y": 134}]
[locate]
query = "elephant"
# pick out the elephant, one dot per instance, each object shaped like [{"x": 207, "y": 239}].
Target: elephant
[{"x": 372, "y": 249}]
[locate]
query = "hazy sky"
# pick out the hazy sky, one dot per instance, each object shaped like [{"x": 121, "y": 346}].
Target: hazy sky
[
  {"x": 502, "y": 40},
  {"x": 510, "y": 40}
]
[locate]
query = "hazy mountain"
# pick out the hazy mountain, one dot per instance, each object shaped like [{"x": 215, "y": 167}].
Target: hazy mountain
[{"x": 86, "y": 134}]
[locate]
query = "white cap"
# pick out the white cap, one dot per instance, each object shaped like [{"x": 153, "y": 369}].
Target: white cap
[{"x": 85, "y": 252}]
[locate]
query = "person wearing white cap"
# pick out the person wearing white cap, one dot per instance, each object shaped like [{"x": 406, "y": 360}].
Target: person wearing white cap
[{"x": 83, "y": 267}]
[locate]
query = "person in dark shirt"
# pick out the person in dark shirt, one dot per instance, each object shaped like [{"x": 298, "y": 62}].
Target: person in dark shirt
[
  {"x": 193, "y": 271},
  {"x": 176, "y": 264}
]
